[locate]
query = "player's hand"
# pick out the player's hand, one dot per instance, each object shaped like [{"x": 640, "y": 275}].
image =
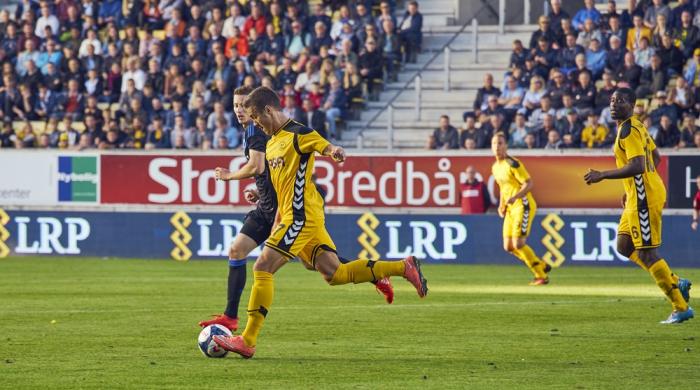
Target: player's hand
[
  {"x": 502, "y": 211},
  {"x": 221, "y": 173},
  {"x": 593, "y": 176},
  {"x": 511, "y": 200},
  {"x": 338, "y": 154},
  {"x": 694, "y": 225},
  {"x": 251, "y": 195},
  {"x": 624, "y": 200}
]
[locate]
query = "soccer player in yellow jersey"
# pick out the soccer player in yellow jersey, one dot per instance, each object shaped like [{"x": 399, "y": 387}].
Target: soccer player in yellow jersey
[
  {"x": 300, "y": 224},
  {"x": 639, "y": 233},
  {"x": 517, "y": 207}
]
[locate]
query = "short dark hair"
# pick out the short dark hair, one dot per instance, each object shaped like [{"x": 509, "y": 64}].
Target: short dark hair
[
  {"x": 242, "y": 90},
  {"x": 261, "y": 97},
  {"x": 628, "y": 94}
]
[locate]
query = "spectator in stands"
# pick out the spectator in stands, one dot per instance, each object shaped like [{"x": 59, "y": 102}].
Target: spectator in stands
[
  {"x": 584, "y": 93},
  {"x": 545, "y": 57},
  {"x": 630, "y": 73},
  {"x": 556, "y": 88},
  {"x": 313, "y": 118},
  {"x": 445, "y": 136},
  {"x": 602, "y": 99},
  {"x": 688, "y": 131},
  {"x": 567, "y": 55},
  {"x": 537, "y": 116},
  {"x": 544, "y": 30},
  {"x": 659, "y": 31},
  {"x": 588, "y": 12},
  {"x": 410, "y": 32},
  {"x": 334, "y": 105},
  {"x": 664, "y": 106},
  {"x": 687, "y": 35},
  {"x": 682, "y": 96},
  {"x": 531, "y": 100},
  {"x": 556, "y": 14},
  {"x": 518, "y": 130},
  {"x": 671, "y": 56},
  {"x": 595, "y": 58},
  {"x": 692, "y": 70},
  {"x": 391, "y": 50},
  {"x": 570, "y": 128},
  {"x": 614, "y": 29},
  {"x": 476, "y": 137},
  {"x": 553, "y": 140},
  {"x": 594, "y": 135},
  {"x": 518, "y": 55},
  {"x": 654, "y": 78},
  {"x": 475, "y": 194},
  {"x": 483, "y": 93},
  {"x": 643, "y": 53},
  {"x": 669, "y": 135},
  {"x": 615, "y": 57},
  {"x": 530, "y": 141},
  {"x": 657, "y": 8},
  {"x": 589, "y": 33},
  {"x": 512, "y": 97},
  {"x": 637, "y": 32}
]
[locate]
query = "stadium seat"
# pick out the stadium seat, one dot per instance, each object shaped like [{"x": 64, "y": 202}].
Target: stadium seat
[
  {"x": 79, "y": 127},
  {"x": 114, "y": 107},
  {"x": 377, "y": 88},
  {"x": 167, "y": 105},
  {"x": 159, "y": 34},
  {"x": 357, "y": 104},
  {"x": 103, "y": 106},
  {"x": 38, "y": 126}
]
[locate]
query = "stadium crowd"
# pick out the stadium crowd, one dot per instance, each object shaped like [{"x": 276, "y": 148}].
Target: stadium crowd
[
  {"x": 149, "y": 74},
  {"x": 556, "y": 91}
]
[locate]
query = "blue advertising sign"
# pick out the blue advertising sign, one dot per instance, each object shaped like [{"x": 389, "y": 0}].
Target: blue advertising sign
[{"x": 558, "y": 239}]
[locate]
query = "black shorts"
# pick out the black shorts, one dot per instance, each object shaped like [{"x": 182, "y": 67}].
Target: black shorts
[{"x": 258, "y": 225}]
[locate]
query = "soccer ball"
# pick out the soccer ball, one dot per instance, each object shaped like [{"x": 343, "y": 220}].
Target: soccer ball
[{"x": 206, "y": 343}]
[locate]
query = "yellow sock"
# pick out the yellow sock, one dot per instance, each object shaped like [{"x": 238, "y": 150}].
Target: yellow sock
[
  {"x": 528, "y": 256},
  {"x": 359, "y": 271},
  {"x": 260, "y": 301},
  {"x": 635, "y": 258},
  {"x": 665, "y": 280}
]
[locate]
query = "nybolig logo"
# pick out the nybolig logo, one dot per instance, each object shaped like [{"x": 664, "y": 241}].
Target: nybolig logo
[{"x": 77, "y": 179}]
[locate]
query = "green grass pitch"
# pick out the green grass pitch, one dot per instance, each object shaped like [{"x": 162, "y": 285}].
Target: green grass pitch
[{"x": 90, "y": 323}]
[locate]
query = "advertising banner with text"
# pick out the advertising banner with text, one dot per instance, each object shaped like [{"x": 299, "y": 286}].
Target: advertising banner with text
[
  {"x": 362, "y": 182},
  {"x": 561, "y": 240}
]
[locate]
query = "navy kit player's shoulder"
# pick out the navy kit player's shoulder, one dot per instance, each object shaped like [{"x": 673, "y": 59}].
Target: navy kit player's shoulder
[
  {"x": 256, "y": 139},
  {"x": 513, "y": 162}
]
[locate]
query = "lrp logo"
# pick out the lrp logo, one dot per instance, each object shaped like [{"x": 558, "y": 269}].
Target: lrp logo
[
  {"x": 77, "y": 179},
  {"x": 4, "y": 234},
  {"x": 438, "y": 240}
]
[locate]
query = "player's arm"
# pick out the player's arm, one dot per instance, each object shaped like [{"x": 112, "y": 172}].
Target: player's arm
[
  {"x": 254, "y": 166},
  {"x": 311, "y": 141},
  {"x": 335, "y": 152},
  {"x": 635, "y": 166},
  {"x": 656, "y": 156},
  {"x": 525, "y": 187}
]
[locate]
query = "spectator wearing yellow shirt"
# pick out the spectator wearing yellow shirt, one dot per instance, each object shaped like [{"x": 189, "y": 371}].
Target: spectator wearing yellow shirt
[{"x": 594, "y": 134}]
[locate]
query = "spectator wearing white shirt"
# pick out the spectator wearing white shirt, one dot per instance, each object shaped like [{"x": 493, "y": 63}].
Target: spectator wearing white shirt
[
  {"x": 235, "y": 20},
  {"x": 134, "y": 73},
  {"x": 90, "y": 39},
  {"x": 46, "y": 19}
]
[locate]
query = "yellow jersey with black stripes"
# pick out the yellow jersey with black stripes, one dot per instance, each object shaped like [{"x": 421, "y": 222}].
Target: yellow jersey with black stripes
[
  {"x": 645, "y": 189},
  {"x": 290, "y": 157},
  {"x": 510, "y": 174}
]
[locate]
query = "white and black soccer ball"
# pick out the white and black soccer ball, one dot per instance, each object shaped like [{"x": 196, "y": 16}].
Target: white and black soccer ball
[{"x": 206, "y": 343}]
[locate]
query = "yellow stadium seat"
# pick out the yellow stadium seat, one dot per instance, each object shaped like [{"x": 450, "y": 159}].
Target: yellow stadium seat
[
  {"x": 103, "y": 106},
  {"x": 166, "y": 105},
  {"x": 159, "y": 35},
  {"x": 17, "y": 125},
  {"x": 79, "y": 127},
  {"x": 38, "y": 126},
  {"x": 114, "y": 107},
  {"x": 122, "y": 34}
]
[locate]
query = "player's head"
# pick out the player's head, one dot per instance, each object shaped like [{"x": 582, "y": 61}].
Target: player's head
[
  {"x": 239, "y": 96},
  {"x": 261, "y": 106},
  {"x": 622, "y": 103},
  {"x": 499, "y": 145}
]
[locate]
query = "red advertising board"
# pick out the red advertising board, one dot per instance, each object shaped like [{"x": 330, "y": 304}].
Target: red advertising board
[{"x": 363, "y": 181}]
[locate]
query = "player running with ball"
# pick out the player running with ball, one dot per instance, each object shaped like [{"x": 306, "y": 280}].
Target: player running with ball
[
  {"x": 639, "y": 233},
  {"x": 301, "y": 229},
  {"x": 258, "y": 223}
]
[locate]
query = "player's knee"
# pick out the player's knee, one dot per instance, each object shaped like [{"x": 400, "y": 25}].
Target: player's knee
[
  {"x": 648, "y": 257},
  {"x": 508, "y": 247},
  {"x": 625, "y": 248},
  {"x": 264, "y": 264},
  {"x": 518, "y": 244},
  {"x": 236, "y": 253}
]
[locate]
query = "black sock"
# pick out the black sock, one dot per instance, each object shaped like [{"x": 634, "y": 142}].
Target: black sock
[{"x": 236, "y": 283}]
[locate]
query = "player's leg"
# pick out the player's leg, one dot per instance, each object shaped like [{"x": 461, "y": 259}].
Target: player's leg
[
  {"x": 645, "y": 228},
  {"x": 516, "y": 227},
  {"x": 625, "y": 244},
  {"x": 325, "y": 260},
  {"x": 259, "y": 304},
  {"x": 539, "y": 268},
  {"x": 383, "y": 285}
]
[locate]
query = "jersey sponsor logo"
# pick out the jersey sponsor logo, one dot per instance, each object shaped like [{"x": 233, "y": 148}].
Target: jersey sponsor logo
[
  {"x": 277, "y": 162},
  {"x": 77, "y": 179}
]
